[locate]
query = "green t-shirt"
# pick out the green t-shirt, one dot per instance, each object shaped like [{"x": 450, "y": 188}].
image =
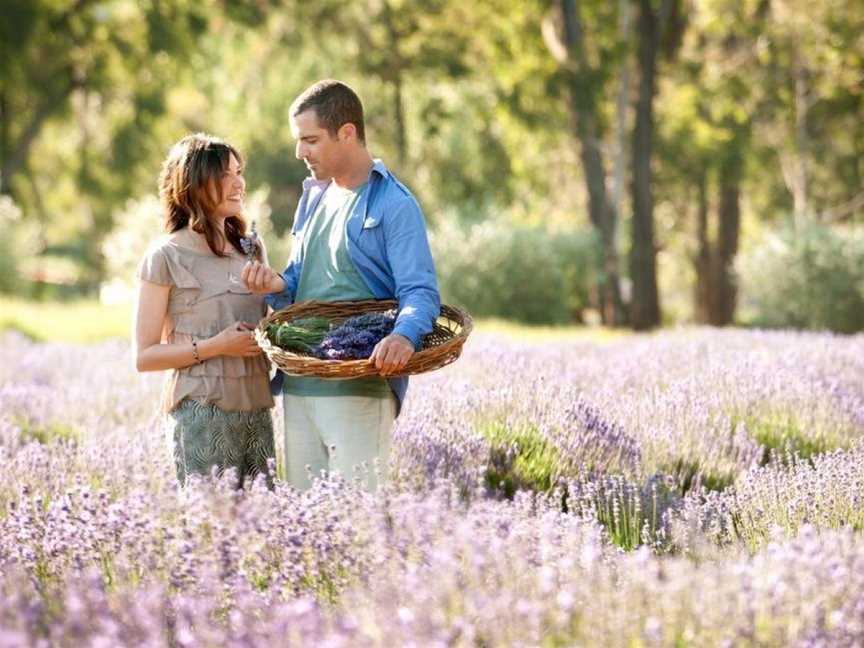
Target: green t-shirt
[{"x": 328, "y": 274}]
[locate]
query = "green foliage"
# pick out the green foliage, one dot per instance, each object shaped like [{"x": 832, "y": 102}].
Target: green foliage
[
  {"x": 782, "y": 435},
  {"x": 300, "y": 336},
  {"x": 82, "y": 320},
  {"x": 619, "y": 509},
  {"x": 520, "y": 459},
  {"x": 467, "y": 103},
  {"x": 806, "y": 276},
  {"x": 10, "y": 252},
  {"x": 458, "y": 166},
  {"x": 688, "y": 471},
  {"x": 532, "y": 274},
  {"x": 88, "y": 106},
  {"x": 49, "y": 432},
  {"x": 632, "y": 514},
  {"x": 137, "y": 223}
]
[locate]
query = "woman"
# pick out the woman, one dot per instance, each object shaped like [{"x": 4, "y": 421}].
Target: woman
[{"x": 195, "y": 316}]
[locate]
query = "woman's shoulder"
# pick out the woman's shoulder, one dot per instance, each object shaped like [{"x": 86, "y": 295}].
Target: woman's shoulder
[
  {"x": 158, "y": 245},
  {"x": 162, "y": 260},
  {"x": 170, "y": 246},
  {"x": 158, "y": 249}
]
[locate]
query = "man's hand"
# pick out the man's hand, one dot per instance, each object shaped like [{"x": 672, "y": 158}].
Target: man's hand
[
  {"x": 261, "y": 279},
  {"x": 392, "y": 353}
]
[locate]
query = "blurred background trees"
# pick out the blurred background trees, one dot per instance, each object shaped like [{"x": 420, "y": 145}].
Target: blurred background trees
[{"x": 633, "y": 162}]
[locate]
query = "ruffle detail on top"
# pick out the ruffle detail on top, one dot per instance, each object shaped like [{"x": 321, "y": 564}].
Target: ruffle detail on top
[
  {"x": 244, "y": 394},
  {"x": 181, "y": 276},
  {"x": 207, "y": 296},
  {"x": 226, "y": 366}
]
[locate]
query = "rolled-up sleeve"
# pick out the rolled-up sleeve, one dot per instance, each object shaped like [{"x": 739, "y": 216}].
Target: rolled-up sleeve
[
  {"x": 290, "y": 276},
  {"x": 410, "y": 259}
]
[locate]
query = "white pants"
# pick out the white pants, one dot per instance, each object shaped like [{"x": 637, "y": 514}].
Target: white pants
[{"x": 348, "y": 434}]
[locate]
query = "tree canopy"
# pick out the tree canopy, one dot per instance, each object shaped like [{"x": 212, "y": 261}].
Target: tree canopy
[{"x": 676, "y": 130}]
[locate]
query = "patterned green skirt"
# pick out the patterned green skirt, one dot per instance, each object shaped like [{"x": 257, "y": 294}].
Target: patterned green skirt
[{"x": 206, "y": 437}]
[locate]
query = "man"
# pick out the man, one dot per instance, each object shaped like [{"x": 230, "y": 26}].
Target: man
[{"x": 358, "y": 234}]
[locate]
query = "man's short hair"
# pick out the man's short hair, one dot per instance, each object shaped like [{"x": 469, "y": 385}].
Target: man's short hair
[{"x": 335, "y": 104}]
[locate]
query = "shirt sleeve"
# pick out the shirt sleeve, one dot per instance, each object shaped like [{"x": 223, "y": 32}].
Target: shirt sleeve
[
  {"x": 154, "y": 268},
  {"x": 291, "y": 277},
  {"x": 410, "y": 259}
]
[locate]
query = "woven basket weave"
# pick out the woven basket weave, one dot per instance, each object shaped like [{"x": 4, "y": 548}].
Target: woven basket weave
[{"x": 440, "y": 347}]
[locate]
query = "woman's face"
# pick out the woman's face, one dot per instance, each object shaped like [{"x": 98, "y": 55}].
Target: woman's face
[{"x": 233, "y": 187}]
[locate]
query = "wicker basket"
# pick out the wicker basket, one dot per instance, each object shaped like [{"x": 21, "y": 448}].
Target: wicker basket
[{"x": 440, "y": 347}]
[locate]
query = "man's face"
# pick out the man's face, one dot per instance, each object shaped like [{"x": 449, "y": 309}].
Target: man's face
[{"x": 322, "y": 153}]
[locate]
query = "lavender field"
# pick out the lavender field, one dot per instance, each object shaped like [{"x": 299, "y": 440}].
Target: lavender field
[{"x": 688, "y": 488}]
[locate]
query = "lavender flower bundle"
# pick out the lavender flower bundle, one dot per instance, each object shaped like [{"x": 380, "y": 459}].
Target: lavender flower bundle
[
  {"x": 357, "y": 336},
  {"x": 250, "y": 243}
]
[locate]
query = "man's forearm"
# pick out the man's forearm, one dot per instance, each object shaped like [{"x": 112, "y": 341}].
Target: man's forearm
[
  {"x": 280, "y": 298},
  {"x": 417, "y": 314}
]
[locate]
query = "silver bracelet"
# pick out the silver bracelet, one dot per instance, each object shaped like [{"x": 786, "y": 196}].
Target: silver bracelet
[{"x": 195, "y": 351}]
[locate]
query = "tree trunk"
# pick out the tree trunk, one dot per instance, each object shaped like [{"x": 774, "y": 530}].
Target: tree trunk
[
  {"x": 645, "y": 307},
  {"x": 724, "y": 286},
  {"x": 622, "y": 103},
  {"x": 802, "y": 106},
  {"x": 399, "y": 115},
  {"x": 394, "y": 76},
  {"x": 582, "y": 107},
  {"x": 702, "y": 261},
  {"x": 5, "y": 187}
]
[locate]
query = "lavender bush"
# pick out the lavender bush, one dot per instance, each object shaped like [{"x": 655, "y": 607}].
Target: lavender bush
[{"x": 693, "y": 487}]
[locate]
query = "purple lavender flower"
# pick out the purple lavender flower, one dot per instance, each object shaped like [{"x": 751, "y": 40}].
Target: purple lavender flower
[
  {"x": 98, "y": 546},
  {"x": 250, "y": 243},
  {"x": 356, "y": 337}
]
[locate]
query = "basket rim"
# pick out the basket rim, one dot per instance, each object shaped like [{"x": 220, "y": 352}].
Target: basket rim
[{"x": 423, "y": 360}]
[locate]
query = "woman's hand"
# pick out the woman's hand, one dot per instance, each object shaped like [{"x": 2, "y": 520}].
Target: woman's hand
[
  {"x": 153, "y": 354},
  {"x": 237, "y": 340},
  {"x": 261, "y": 279}
]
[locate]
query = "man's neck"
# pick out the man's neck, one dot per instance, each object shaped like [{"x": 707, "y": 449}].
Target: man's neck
[{"x": 357, "y": 171}]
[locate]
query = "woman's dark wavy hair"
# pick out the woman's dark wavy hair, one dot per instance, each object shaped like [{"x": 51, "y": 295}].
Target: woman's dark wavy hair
[{"x": 190, "y": 190}]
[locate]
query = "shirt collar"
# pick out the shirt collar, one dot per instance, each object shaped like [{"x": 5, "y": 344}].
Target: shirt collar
[
  {"x": 377, "y": 167},
  {"x": 310, "y": 182}
]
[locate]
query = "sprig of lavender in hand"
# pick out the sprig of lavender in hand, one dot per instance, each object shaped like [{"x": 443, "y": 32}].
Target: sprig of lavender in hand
[{"x": 250, "y": 243}]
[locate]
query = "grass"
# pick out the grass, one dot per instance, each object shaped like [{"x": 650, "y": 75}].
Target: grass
[
  {"x": 520, "y": 458},
  {"x": 87, "y": 320},
  {"x": 55, "y": 431},
  {"x": 687, "y": 471},
  {"x": 540, "y": 333},
  {"x": 78, "y": 321},
  {"x": 782, "y": 434}
]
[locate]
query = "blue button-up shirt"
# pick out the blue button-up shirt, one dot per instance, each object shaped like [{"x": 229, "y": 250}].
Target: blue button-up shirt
[{"x": 386, "y": 240}]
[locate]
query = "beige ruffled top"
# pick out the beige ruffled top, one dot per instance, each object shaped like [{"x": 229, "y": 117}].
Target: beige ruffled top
[{"x": 207, "y": 295}]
